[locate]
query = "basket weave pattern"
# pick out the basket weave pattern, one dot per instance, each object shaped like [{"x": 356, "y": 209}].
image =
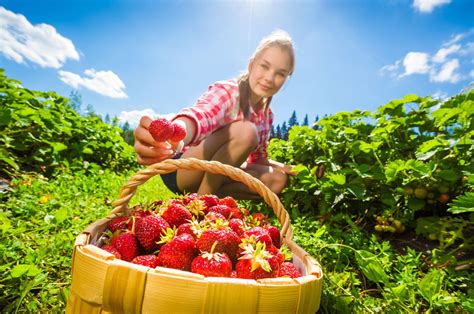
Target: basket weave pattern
[{"x": 103, "y": 284}]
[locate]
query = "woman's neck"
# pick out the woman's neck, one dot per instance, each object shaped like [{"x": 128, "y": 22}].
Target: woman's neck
[{"x": 255, "y": 102}]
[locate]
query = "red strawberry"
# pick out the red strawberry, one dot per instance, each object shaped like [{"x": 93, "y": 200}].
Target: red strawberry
[
  {"x": 209, "y": 200},
  {"x": 237, "y": 225},
  {"x": 227, "y": 241},
  {"x": 112, "y": 250},
  {"x": 119, "y": 223},
  {"x": 213, "y": 217},
  {"x": 233, "y": 274},
  {"x": 260, "y": 219},
  {"x": 126, "y": 243},
  {"x": 149, "y": 230},
  {"x": 179, "y": 132},
  {"x": 212, "y": 264},
  {"x": 257, "y": 263},
  {"x": 289, "y": 269},
  {"x": 176, "y": 214},
  {"x": 276, "y": 252},
  {"x": 228, "y": 201},
  {"x": 260, "y": 234},
  {"x": 224, "y": 210},
  {"x": 161, "y": 130},
  {"x": 190, "y": 197},
  {"x": 179, "y": 253},
  {"x": 275, "y": 235},
  {"x": 236, "y": 213},
  {"x": 146, "y": 260},
  {"x": 193, "y": 228}
]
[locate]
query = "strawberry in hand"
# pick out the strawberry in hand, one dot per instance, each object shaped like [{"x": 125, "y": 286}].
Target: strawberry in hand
[{"x": 161, "y": 130}]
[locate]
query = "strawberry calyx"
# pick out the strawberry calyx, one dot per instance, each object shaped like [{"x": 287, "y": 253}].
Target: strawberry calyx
[{"x": 258, "y": 256}]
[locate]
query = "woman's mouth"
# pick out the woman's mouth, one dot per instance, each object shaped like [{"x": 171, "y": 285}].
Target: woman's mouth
[{"x": 264, "y": 87}]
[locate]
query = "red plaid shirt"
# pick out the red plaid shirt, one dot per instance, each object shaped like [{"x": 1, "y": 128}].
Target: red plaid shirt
[{"x": 218, "y": 107}]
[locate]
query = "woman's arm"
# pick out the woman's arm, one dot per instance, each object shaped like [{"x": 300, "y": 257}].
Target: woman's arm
[{"x": 277, "y": 165}]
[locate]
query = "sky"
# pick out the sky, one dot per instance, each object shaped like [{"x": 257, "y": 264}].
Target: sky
[{"x": 128, "y": 58}]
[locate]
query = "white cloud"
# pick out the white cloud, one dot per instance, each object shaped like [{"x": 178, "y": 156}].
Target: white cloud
[
  {"x": 441, "y": 55},
  {"x": 416, "y": 62},
  {"x": 40, "y": 44},
  {"x": 427, "y": 6},
  {"x": 450, "y": 64},
  {"x": 133, "y": 117},
  {"x": 390, "y": 69},
  {"x": 471, "y": 74},
  {"x": 106, "y": 83},
  {"x": 447, "y": 73}
]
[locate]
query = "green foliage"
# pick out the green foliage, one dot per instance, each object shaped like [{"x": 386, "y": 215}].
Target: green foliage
[
  {"x": 39, "y": 223},
  {"x": 40, "y": 131},
  {"x": 407, "y": 165}
]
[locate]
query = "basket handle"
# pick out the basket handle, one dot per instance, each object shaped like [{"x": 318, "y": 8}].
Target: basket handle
[{"x": 129, "y": 188}]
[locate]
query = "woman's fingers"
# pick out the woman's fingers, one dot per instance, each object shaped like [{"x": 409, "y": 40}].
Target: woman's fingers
[
  {"x": 157, "y": 151},
  {"x": 288, "y": 169}
]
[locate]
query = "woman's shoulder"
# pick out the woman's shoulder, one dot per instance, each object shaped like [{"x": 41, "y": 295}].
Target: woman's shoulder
[{"x": 231, "y": 85}]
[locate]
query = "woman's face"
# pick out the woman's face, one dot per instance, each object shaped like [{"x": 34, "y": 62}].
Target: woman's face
[{"x": 268, "y": 72}]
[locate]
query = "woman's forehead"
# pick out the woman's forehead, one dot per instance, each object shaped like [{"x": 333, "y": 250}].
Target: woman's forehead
[{"x": 277, "y": 56}]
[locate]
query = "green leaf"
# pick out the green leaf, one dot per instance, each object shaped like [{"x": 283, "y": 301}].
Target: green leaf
[
  {"x": 338, "y": 178},
  {"x": 358, "y": 190},
  {"x": 448, "y": 175},
  {"x": 463, "y": 204},
  {"x": 415, "y": 203},
  {"x": 430, "y": 285},
  {"x": 442, "y": 115},
  {"x": 371, "y": 266},
  {"x": 61, "y": 214},
  {"x": 20, "y": 270}
]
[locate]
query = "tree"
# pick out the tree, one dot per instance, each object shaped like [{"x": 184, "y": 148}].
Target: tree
[
  {"x": 278, "y": 132},
  {"x": 272, "y": 132},
  {"x": 284, "y": 131},
  {"x": 75, "y": 101},
  {"x": 305, "y": 120},
  {"x": 107, "y": 118},
  {"x": 316, "y": 127},
  {"x": 293, "y": 120},
  {"x": 127, "y": 133}
]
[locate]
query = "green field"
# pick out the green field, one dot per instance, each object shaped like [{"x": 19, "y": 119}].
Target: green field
[{"x": 383, "y": 200}]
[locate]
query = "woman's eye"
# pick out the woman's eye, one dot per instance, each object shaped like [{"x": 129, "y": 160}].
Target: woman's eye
[{"x": 264, "y": 66}]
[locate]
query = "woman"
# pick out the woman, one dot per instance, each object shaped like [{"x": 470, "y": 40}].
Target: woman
[{"x": 229, "y": 123}]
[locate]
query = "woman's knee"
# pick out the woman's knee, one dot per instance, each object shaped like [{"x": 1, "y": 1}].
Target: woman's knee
[{"x": 244, "y": 133}]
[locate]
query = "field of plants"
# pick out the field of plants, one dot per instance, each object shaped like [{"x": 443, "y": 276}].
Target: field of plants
[{"x": 383, "y": 200}]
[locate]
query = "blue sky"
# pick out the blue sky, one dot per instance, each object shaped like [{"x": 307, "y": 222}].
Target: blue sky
[{"x": 127, "y": 58}]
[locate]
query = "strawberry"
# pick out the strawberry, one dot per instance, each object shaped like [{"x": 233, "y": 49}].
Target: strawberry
[
  {"x": 275, "y": 235},
  {"x": 260, "y": 234},
  {"x": 112, "y": 250},
  {"x": 227, "y": 241},
  {"x": 193, "y": 228},
  {"x": 190, "y": 197},
  {"x": 237, "y": 225},
  {"x": 213, "y": 217},
  {"x": 149, "y": 230},
  {"x": 176, "y": 214},
  {"x": 233, "y": 274},
  {"x": 119, "y": 223},
  {"x": 179, "y": 253},
  {"x": 146, "y": 260},
  {"x": 257, "y": 263},
  {"x": 224, "y": 210},
  {"x": 276, "y": 252},
  {"x": 179, "y": 132},
  {"x": 212, "y": 264},
  {"x": 209, "y": 200},
  {"x": 228, "y": 201},
  {"x": 127, "y": 245},
  {"x": 288, "y": 269},
  {"x": 161, "y": 130},
  {"x": 260, "y": 219}
]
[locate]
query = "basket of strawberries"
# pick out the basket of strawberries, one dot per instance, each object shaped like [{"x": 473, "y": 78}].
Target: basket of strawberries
[{"x": 192, "y": 254}]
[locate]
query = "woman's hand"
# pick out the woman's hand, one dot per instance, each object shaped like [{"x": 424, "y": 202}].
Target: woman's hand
[{"x": 148, "y": 150}]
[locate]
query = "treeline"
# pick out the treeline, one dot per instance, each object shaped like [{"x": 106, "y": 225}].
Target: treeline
[{"x": 277, "y": 131}]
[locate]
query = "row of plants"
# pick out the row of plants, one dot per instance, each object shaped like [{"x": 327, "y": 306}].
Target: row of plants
[
  {"x": 40, "y": 132},
  {"x": 368, "y": 180}
]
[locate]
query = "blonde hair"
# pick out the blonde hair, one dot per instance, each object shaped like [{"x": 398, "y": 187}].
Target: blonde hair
[{"x": 277, "y": 38}]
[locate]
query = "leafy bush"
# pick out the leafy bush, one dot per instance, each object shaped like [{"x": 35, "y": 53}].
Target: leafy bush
[{"x": 39, "y": 131}]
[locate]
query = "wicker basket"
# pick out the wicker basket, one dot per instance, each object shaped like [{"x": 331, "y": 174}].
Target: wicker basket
[{"x": 101, "y": 283}]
